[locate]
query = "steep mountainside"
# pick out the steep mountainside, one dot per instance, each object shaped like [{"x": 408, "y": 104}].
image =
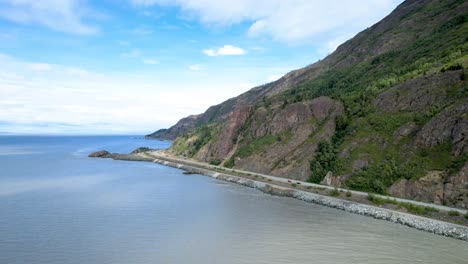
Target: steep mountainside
[{"x": 387, "y": 112}]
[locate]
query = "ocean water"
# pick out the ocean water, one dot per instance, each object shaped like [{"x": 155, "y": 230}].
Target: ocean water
[{"x": 59, "y": 206}]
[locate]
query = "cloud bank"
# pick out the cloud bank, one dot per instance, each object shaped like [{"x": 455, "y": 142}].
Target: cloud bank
[{"x": 292, "y": 21}]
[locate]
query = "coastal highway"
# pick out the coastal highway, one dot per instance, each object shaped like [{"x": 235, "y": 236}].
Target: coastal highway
[{"x": 165, "y": 156}]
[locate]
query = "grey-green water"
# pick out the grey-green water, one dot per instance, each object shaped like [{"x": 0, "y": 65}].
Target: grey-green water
[{"x": 58, "y": 206}]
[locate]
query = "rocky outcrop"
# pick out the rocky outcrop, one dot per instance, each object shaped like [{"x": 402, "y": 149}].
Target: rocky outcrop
[
  {"x": 176, "y": 130},
  {"x": 436, "y": 187},
  {"x": 220, "y": 147},
  {"x": 118, "y": 156},
  {"x": 99, "y": 154},
  {"x": 450, "y": 125},
  {"x": 429, "y": 188},
  {"x": 297, "y": 129},
  {"x": 456, "y": 189},
  {"x": 420, "y": 94},
  {"x": 142, "y": 150}
]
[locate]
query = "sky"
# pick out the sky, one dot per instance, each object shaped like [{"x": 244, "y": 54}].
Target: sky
[{"x": 134, "y": 66}]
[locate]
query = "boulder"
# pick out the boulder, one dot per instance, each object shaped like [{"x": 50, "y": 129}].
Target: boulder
[{"x": 99, "y": 154}]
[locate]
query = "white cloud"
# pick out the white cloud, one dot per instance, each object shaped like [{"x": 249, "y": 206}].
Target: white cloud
[
  {"x": 196, "y": 67},
  {"x": 150, "y": 61},
  {"x": 37, "y": 97},
  {"x": 63, "y": 15},
  {"x": 292, "y": 21},
  {"x": 226, "y": 50}
]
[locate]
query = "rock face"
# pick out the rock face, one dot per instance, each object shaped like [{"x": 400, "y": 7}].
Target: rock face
[
  {"x": 419, "y": 94},
  {"x": 219, "y": 149},
  {"x": 456, "y": 189},
  {"x": 436, "y": 187},
  {"x": 449, "y": 125},
  {"x": 99, "y": 154},
  {"x": 172, "y": 133},
  {"x": 297, "y": 130},
  {"x": 428, "y": 189}
]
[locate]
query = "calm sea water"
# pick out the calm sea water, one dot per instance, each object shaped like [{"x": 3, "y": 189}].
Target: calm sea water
[{"x": 59, "y": 206}]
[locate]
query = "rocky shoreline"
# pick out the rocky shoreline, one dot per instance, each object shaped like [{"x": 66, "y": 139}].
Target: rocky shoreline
[
  {"x": 118, "y": 156},
  {"x": 414, "y": 221}
]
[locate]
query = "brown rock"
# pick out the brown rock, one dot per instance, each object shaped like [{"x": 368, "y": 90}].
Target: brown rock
[
  {"x": 456, "y": 189},
  {"x": 99, "y": 154},
  {"x": 429, "y": 188},
  {"x": 449, "y": 125},
  {"x": 419, "y": 94}
]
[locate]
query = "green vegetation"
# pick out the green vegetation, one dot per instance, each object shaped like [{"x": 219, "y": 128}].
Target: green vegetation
[
  {"x": 229, "y": 163},
  {"x": 325, "y": 161},
  {"x": 417, "y": 209},
  {"x": 466, "y": 216},
  {"x": 454, "y": 213},
  {"x": 349, "y": 194},
  {"x": 411, "y": 208},
  {"x": 192, "y": 141},
  {"x": 378, "y": 201},
  {"x": 334, "y": 192},
  {"x": 454, "y": 67},
  {"x": 378, "y": 177},
  {"x": 255, "y": 146},
  {"x": 393, "y": 165},
  {"x": 252, "y": 147},
  {"x": 215, "y": 162}
]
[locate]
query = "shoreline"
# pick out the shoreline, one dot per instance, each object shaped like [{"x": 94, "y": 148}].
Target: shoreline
[{"x": 422, "y": 223}]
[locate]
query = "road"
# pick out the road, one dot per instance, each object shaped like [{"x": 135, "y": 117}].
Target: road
[{"x": 165, "y": 156}]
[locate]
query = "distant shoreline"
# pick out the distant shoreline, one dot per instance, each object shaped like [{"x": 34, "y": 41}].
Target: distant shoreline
[{"x": 316, "y": 196}]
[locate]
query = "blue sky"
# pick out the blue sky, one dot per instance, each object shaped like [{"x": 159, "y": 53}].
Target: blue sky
[{"x": 133, "y": 66}]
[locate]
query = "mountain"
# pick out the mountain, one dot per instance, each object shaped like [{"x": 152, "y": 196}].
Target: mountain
[{"x": 387, "y": 112}]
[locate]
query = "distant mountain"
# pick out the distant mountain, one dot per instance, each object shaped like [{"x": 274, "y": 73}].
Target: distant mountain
[{"x": 387, "y": 112}]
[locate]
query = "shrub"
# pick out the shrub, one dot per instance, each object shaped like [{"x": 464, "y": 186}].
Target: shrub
[
  {"x": 381, "y": 175},
  {"x": 455, "y": 67},
  {"x": 325, "y": 161},
  {"x": 215, "y": 162},
  {"x": 417, "y": 209},
  {"x": 229, "y": 163},
  {"x": 334, "y": 192},
  {"x": 348, "y": 194},
  {"x": 454, "y": 213},
  {"x": 375, "y": 200},
  {"x": 466, "y": 215}
]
